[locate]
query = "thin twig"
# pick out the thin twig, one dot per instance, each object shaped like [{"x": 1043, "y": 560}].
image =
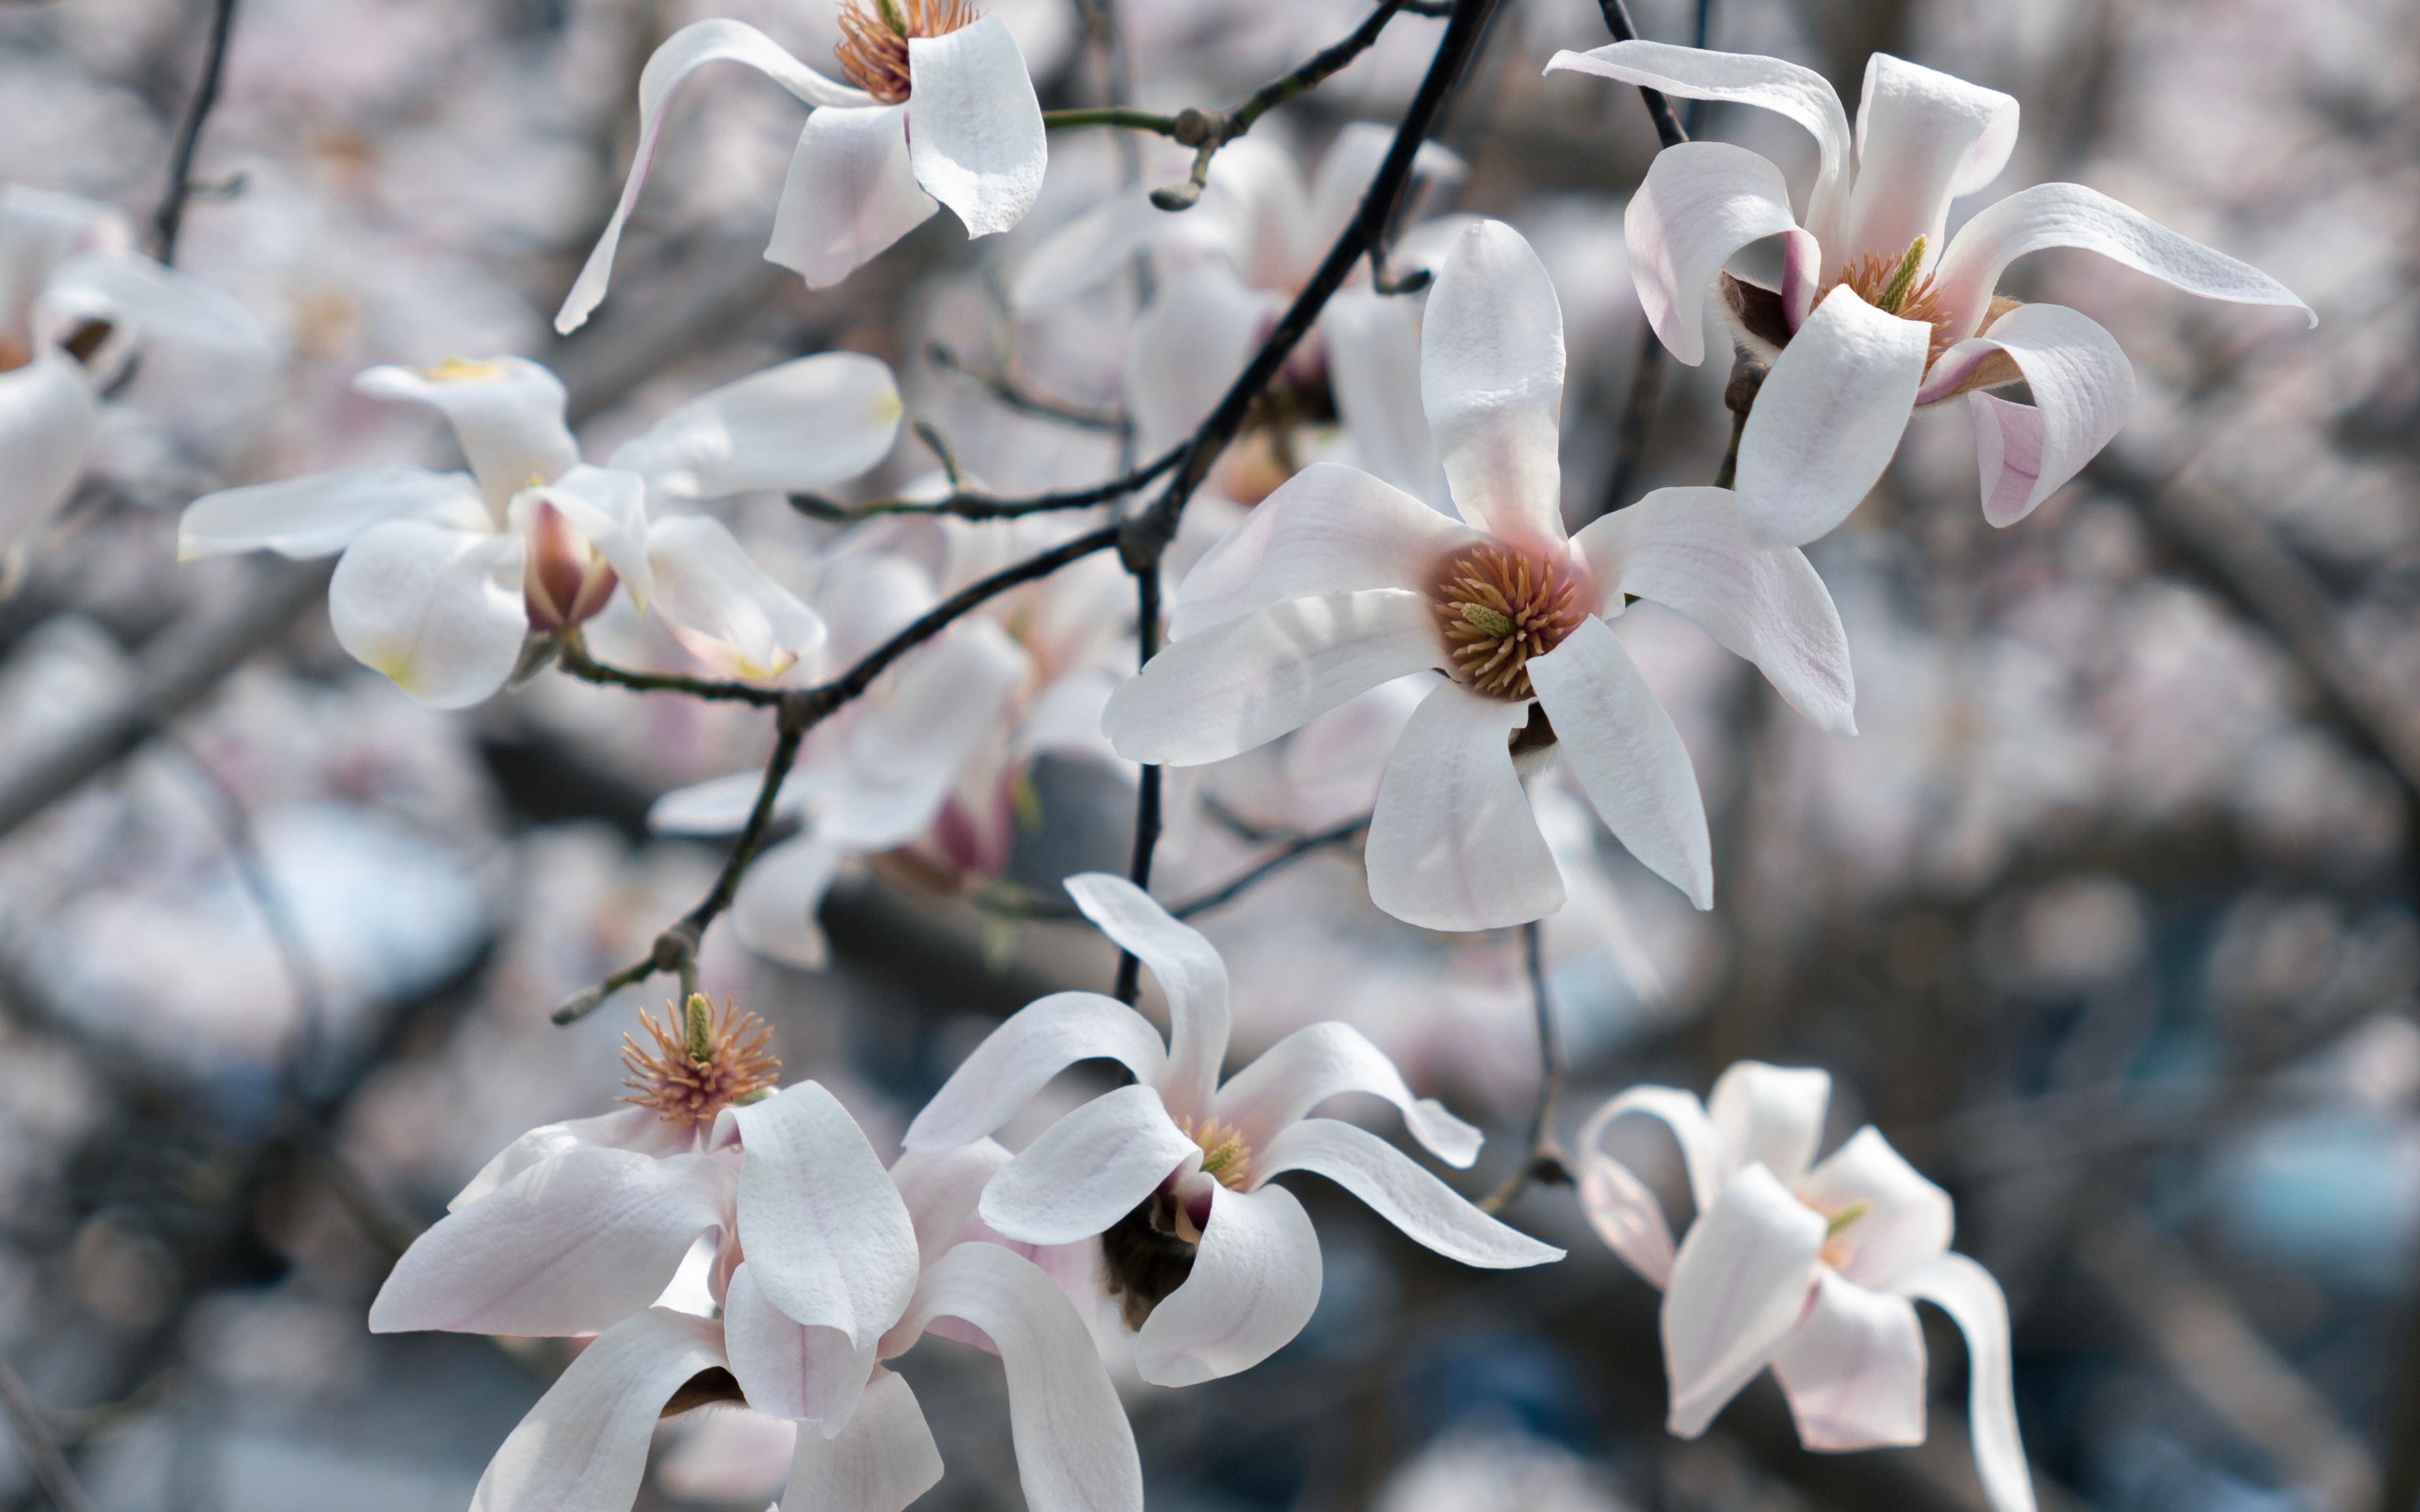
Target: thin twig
[
  {"x": 975, "y": 504},
  {"x": 1018, "y": 398},
  {"x": 168, "y": 221},
  {"x": 572, "y": 654},
  {"x": 1146, "y": 825},
  {"x": 1294, "y": 849},
  {"x": 1543, "y": 1160},
  {"x": 41, "y": 1449},
  {"x": 1667, "y": 126}
]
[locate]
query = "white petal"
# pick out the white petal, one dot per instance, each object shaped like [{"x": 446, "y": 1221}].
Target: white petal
[
  {"x": 1373, "y": 370},
  {"x": 1396, "y": 1188},
  {"x": 506, "y": 413},
  {"x": 1349, "y": 166},
  {"x": 774, "y": 913},
  {"x": 802, "y": 424},
  {"x": 1901, "y": 1220},
  {"x": 1088, "y": 250},
  {"x": 584, "y": 1447},
  {"x": 941, "y": 1187},
  {"x": 718, "y": 806},
  {"x": 1188, "y": 971},
  {"x": 908, "y": 750},
  {"x": 2083, "y": 389},
  {"x": 1087, "y": 1170},
  {"x": 974, "y": 126},
  {"x": 1699, "y": 205},
  {"x": 609, "y": 506},
  {"x": 1626, "y": 1214},
  {"x": 823, "y": 1226},
  {"x": 1453, "y": 843},
  {"x": 1492, "y": 378},
  {"x": 1188, "y": 348},
  {"x": 1968, "y": 1294},
  {"x": 880, "y": 1462},
  {"x": 315, "y": 516},
  {"x": 439, "y": 611},
  {"x": 571, "y": 1245},
  {"x": 683, "y": 54},
  {"x": 48, "y": 420},
  {"x": 1623, "y": 749},
  {"x": 803, "y": 1372},
  {"x": 1690, "y": 549},
  {"x": 1770, "y": 1116},
  {"x": 1035, "y": 1043},
  {"x": 1828, "y": 417},
  {"x": 1255, "y": 1282},
  {"x": 720, "y": 606},
  {"x": 1319, "y": 1061},
  {"x": 157, "y": 304},
  {"x": 1854, "y": 1371},
  {"x": 1738, "y": 1285},
  {"x": 1923, "y": 137},
  {"x": 851, "y": 192},
  {"x": 626, "y": 1128}
]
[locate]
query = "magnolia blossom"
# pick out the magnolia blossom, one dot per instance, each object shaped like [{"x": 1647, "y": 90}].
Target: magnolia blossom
[
  {"x": 1876, "y": 226},
  {"x": 76, "y": 300},
  {"x": 1215, "y": 1267},
  {"x": 445, "y": 576},
  {"x": 1338, "y": 583},
  {"x": 937, "y": 110},
  {"x": 1815, "y": 1271}
]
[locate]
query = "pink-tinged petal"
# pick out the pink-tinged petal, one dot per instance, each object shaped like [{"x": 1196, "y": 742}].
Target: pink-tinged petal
[
  {"x": 2083, "y": 390},
  {"x": 1690, "y": 549},
  {"x": 720, "y": 606},
  {"x": 880, "y": 1461},
  {"x": 2011, "y": 442},
  {"x": 48, "y": 420},
  {"x": 1854, "y": 1371},
  {"x": 1188, "y": 971},
  {"x": 1394, "y": 1187},
  {"x": 1324, "y": 1060},
  {"x": 851, "y": 192},
  {"x": 1770, "y": 1116},
  {"x": 1248, "y": 680},
  {"x": 804, "y": 1372},
  {"x": 1492, "y": 378},
  {"x": 1453, "y": 843},
  {"x": 606, "y": 505},
  {"x": 1373, "y": 370},
  {"x": 822, "y": 1225},
  {"x": 800, "y": 424},
  {"x": 1035, "y": 1043},
  {"x": 1626, "y": 1214},
  {"x": 1699, "y": 205},
  {"x": 1923, "y": 138},
  {"x": 1627, "y": 755},
  {"x": 1255, "y": 1282},
  {"x": 506, "y": 413},
  {"x": 1974, "y": 1301},
  {"x": 1828, "y": 418},
  {"x": 1087, "y": 1170},
  {"x": 941, "y": 1187},
  {"x": 440, "y": 610},
  {"x": 774, "y": 913},
  {"x": 1188, "y": 348},
  {"x": 572, "y": 1245},
  {"x": 2071, "y": 215},
  {"x": 730, "y": 1455},
  {"x": 584, "y": 1447},
  {"x": 683, "y": 54},
  {"x": 1738, "y": 1285},
  {"x": 1890, "y": 1217},
  {"x": 974, "y": 126},
  {"x": 630, "y": 1128},
  {"x": 316, "y": 516},
  {"x": 1074, "y": 1451}
]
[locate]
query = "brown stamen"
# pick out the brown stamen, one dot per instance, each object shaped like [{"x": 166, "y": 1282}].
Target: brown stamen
[
  {"x": 709, "y": 1060},
  {"x": 1497, "y": 608},
  {"x": 1873, "y": 276},
  {"x": 872, "y": 48}
]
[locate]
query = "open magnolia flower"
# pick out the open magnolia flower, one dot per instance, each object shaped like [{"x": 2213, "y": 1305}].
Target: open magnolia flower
[
  {"x": 1215, "y": 1267},
  {"x": 937, "y": 110},
  {"x": 1338, "y": 583},
  {"x": 76, "y": 300},
  {"x": 1815, "y": 1271},
  {"x": 1876, "y": 226},
  {"x": 445, "y": 576}
]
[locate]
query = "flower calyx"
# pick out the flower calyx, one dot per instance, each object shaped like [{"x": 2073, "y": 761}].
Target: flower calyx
[{"x": 703, "y": 1060}]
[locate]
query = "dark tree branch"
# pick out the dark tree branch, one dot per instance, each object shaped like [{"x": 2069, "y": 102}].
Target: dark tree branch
[
  {"x": 168, "y": 221},
  {"x": 973, "y": 505},
  {"x": 1146, "y": 825},
  {"x": 1667, "y": 126},
  {"x": 1024, "y": 402}
]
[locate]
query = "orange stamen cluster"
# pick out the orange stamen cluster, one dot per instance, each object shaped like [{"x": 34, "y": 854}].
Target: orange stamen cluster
[
  {"x": 1873, "y": 275},
  {"x": 706, "y": 1061},
  {"x": 872, "y": 48},
  {"x": 1497, "y": 608}
]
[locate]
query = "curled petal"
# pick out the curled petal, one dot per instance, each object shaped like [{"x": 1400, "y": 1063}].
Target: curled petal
[
  {"x": 1828, "y": 418},
  {"x": 974, "y": 126},
  {"x": 1738, "y": 1285},
  {"x": 1624, "y": 1212},
  {"x": 1974, "y": 1301},
  {"x": 2083, "y": 390},
  {"x": 506, "y": 413},
  {"x": 1087, "y": 1170},
  {"x": 1854, "y": 1370},
  {"x": 1492, "y": 378},
  {"x": 439, "y": 611},
  {"x": 822, "y": 1225},
  {"x": 313, "y": 516},
  {"x": 48, "y": 420},
  {"x": 1923, "y": 137},
  {"x": 1452, "y": 844},
  {"x": 1037, "y": 1042},
  {"x": 720, "y": 606},
  {"x": 851, "y": 192},
  {"x": 1398, "y": 1190},
  {"x": 1771, "y": 1116},
  {"x": 1699, "y": 205},
  {"x": 1255, "y": 1282},
  {"x": 804, "y": 1372},
  {"x": 802, "y": 424},
  {"x": 1188, "y": 971},
  {"x": 882, "y": 1460},
  {"x": 584, "y": 1447},
  {"x": 1324, "y": 1060}
]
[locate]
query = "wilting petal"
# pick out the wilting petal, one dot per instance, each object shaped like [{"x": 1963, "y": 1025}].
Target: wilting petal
[
  {"x": 1014, "y": 1061},
  {"x": 1320, "y": 1061},
  {"x": 1968, "y": 1294},
  {"x": 1854, "y": 1371},
  {"x": 629, "y": 1128},
  {"x": 1689, "y": 549},
  {"x": 774, "y": 913},
  {"x": 1890, "y": 1217},
  {"x": 974, "y": 126},
  {"x": 1188, "y": 348},
  {"x": 1923, "y": 138},
  {"x": 1373, "y": 370},
  {"x": 1255, "y": 1283},
  {"x": 47, "y": 419},
  {"x": 1396, "y": 1188},
  {"x": 1625, "y": 1213},
  {"x": 1738, "y": 1285},
  {"x": 572, "y": 1245},
  {"x": 584, "y": 1447},
  {"x": 439, "y": 611},
  {"x": 1828, "y": 418},
  {"x": 316, "y": 516},
  {"x": 720, "y": 606},
  {"x": 805, "y": 1372},
  {"x": 1492, "y": 378},
  {"x": 506, "y": 414},
  {"x": 1087, "y": 1170},
  {"x": 1188, "y": 971},
  {"x": 683, "y": 54},
  {"x": 882, "y": 1460},
  {"x": 802, "y": 424},
  {"x": 2083, "y": 389},
  {"x": 1699, "y": 205},
  {"x": 941, "y": 1187},
  {"x": 851, "y": 192},
  {"x": 1770, "y": 1116},
  {"x": 2071, "y": 215},
  {"x": 1627, "y": 755},
  {"x": 822, "y": 1225},
  {"x": 1452, "y": 844}
]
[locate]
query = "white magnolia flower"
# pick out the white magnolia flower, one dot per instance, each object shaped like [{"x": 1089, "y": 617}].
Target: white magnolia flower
[
  {"x": 937, "y": 110},
  {"x": 1814, "y": 1271},
  {"x": 1174, "y": 1170},
  {"x": 445, "y": 575},
  {"x": 1338, "y": 583},
  {"x": 1922, "y": 139},
  {"x": 76, "y": 300}
]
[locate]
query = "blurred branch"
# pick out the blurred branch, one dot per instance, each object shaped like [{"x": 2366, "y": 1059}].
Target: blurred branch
[
  {"x": 571, "y": 653},
  {"x": 1018, "y": 398},
  {"x": 1543, "y": 1160},
  {"x": 1667, "y": 126},
  {"x": 1030, "y": 906},
  {"x": 975, "y": 504},
  {"x": 1146, "y": 824},
  {"x": 41, "y": 1450},
  {"x": 168, "y": 221}
]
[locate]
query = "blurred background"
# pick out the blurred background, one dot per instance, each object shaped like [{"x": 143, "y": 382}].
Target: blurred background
[{"x": 2104, "y": 917}]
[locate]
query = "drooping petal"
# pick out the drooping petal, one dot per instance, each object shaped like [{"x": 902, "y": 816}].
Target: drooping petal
[
  {"x": 1396, "y": 1188},
  {"x": 1035, "y": 1043},
  {"x": 572, "y": 1245},
  {"x": 1974, "y": 1301},
  {"x": 1625, "y": 1213},
  {"x": 1689, "y": 549},
  {"x": 1699, "y": 205},
  {"x": 1188, "y": 348},
  {"x": 316, "y": 516},
  {"x": 683, "y": 54},
  {"x": 882, "y": 1460},
  {"x": 439, "y": 611},
  {"x": 584, "y": 1447},
  {"x": 1188, "y": 971},
  {"x": 805, "y": 1372},
  {"x": 1087, "y": 1170},
  {"x": 851, "y": 192},
  {"x": 1452, "y": 844},
  {"x": 1373, "y": 370},
  {"x": 1738, "y": 1285},
  {"x": 974, "y": 126},
  {"x": 609, "y": 506},
  {"x": 1770, "y": 1116},
  {"x": 1322, "y": 1060},
  {"x": 1492, "y": 380},
  {"x": 800, "y": 425},
  {"x": 1923, "y": 138},
  {"x": 627, "y": 1128},
  {"x": 1255, "y": 1282},
  {"x": 506, "y": 414},
  {"x": 1627, "y": 755},
  {"x": 720, "y": 606},
  {"x": 822, "y": 1225},
  {"x": 48, "y": 420},
  {"x": 1854, "y": 1370},
  {"x": 1890, "y": 1217},
  {"x": 1828, "y": 418},
  {"x": 2083, "y": 390},
  {"x": 774, "y": 913}
]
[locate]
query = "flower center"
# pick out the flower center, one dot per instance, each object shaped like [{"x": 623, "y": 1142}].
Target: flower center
[
  {"x": 706, "y": 1061},
  {"x": 1891, "y": 285},
  {"x": 1224, "y": 1154},
  {"x": 872, "y": 48},
  {"x": 1497, "y": 608},
  {"x": 1839, "y": 1241}
]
